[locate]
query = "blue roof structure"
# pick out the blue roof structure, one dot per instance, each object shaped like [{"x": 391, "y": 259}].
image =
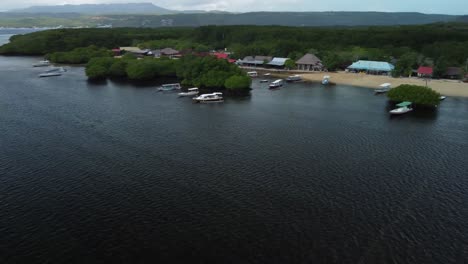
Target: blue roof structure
[
  {"x": 372, "y": 66},
  {"x": 278, "y": 61}
]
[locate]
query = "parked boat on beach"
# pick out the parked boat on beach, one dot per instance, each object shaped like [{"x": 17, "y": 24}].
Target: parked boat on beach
[
  {"x": 209, "y": 98},
  {"x": 276, "y": 84},
  {"x": 383, "y": 88},
  {"x": 169, "y": 87},
  {"x": 326, "y": 80},
  {"x": 294, "y": 78},
  {"x": 190, "y": 92},
  {"x": 403, "y": 108},
  {"x": 42, "y": 63}
]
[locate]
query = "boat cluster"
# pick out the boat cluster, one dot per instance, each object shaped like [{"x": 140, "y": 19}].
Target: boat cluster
[
  {"x": 194, "y": 93},
  {"x": 52, "y": 71}
]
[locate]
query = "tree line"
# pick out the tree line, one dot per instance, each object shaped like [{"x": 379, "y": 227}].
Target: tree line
[{"x": 439, "y": 45}]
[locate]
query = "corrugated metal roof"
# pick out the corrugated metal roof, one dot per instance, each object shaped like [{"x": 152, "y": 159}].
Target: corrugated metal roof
[
  {"x": 278, "y": 61},
  {"x": 425, "y": 70},
  {"x": 372, "y": 66}
]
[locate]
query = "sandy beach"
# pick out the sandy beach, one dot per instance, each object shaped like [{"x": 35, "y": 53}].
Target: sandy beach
[{"x": 444, "y": 87}]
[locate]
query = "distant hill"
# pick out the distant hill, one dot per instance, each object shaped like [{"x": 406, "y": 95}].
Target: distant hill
[
  {"x": 281, "y": 18},
  {"x": 95, "y": 9},
  {"x": 149, "y": 15}
]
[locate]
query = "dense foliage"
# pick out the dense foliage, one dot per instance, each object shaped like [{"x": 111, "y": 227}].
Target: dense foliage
[
  {"x": 207, "y": 72},
  {"x": 440, "y": 45},
  {"x": 419, "y": 95},
  {"x": 79, "y": 55}
]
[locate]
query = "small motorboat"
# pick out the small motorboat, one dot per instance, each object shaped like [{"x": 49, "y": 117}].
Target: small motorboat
[
  {"x": 209, "y": 98},
  {"x": 326, "y": 80},
  {"x": 42, "y": 63},
  {"x": 267, "y": 74},
  {"x": 190, "y": 92},
  {"x": 294, "y": 78},
  {"x": 169, "y": 87},
  {"x": 442, "y": 97},
  {"x": 383, "y": 88},
  {"x": 50, "y": 74},
  {"x": 403, "y": 108},
  {"x": 53, "y": 72},
  {"x": 264, "y": 81},
  {"x": 276, "y": 84},
  {"x": 252, "y": 74}
]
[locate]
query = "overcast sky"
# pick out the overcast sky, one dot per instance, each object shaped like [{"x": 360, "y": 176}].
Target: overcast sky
[{"x": 425, "y": 6}]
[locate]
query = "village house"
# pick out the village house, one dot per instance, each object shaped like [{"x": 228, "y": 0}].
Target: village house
[
  {"x": 453, "y": 73},
  {"x": 309, "y": 62},
  {"x": 425, "y": 72}
]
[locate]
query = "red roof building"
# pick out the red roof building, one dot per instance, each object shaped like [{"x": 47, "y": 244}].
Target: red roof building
[
  {"x": 223, "y": 56},
  {"x": 425, "y": 71}
]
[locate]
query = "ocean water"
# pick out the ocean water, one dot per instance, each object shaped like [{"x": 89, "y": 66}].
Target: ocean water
[{"x": 113, "y": 172}]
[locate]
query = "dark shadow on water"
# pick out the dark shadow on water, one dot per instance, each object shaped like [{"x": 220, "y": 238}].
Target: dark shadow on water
[
  {"x": 144, "y": 83},
  {"x": 96, "y": 83}
]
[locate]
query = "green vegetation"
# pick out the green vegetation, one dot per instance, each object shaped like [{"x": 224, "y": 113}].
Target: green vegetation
[
  {"x": 443, "y": 43},
  {"x": 206, "y": 72},
  {"x": 419, "y": 95},
  {"x": 79, "y": 55}
]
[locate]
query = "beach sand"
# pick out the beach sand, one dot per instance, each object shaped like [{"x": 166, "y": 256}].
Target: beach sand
[{"x": 444, "y": 87}]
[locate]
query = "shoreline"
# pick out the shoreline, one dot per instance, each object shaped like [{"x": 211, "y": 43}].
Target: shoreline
[{"x": 445, "y": 87}]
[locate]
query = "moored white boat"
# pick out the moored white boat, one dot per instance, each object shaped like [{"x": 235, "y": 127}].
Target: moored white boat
[
  {"x": 42, "y": 63},
  {"x": 252, "y": 74},
  {"x": 264, "y": 81},
  {"x": 50, "y": 74},
  {"x": 442, "y": 97},
  {"x": 294, "y": 78},
  {"x": 209, "y": 98},
  {"x": 267, "y": 74},
  {"x": 383, "y": 88},
  {"x": 169, "y": 87},
  {"x": 326, "y": 80},
  {"x": 403, "y": 108},
  {"x": 190, "y": 92},
  {"x": 276, "y": 84}
]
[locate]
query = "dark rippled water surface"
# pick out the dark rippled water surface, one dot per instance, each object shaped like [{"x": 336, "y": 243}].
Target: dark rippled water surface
[{"x": 122, "y": 174}]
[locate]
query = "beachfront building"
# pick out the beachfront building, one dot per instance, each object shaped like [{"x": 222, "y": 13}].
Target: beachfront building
[
  {"x": 453, "y": 73},
  {"x": 135, "y": 51},
  {"x": 309, "y": 62},
  {"x": 425, "y": 72},
  {"x": 166, "y": 52},
  {"x": 277, "y": 62},
  {"x": 254, "y": 60},
  {"x": 372, "y": 67}
]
